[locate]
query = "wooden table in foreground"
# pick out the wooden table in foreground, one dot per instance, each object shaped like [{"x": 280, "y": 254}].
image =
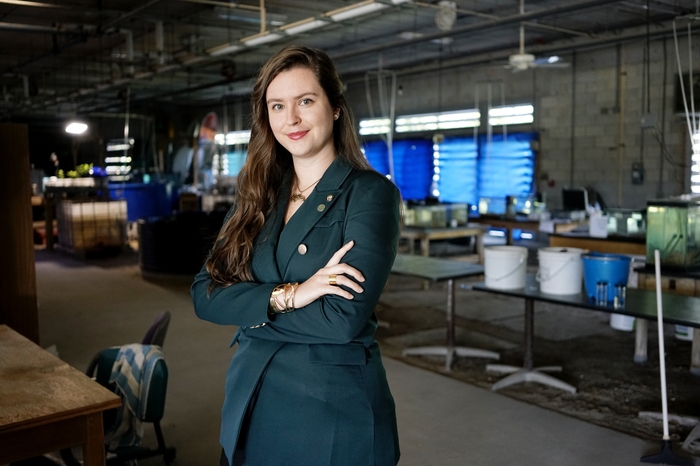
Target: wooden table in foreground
[
  {"x": 47, "y": 405},
  {"x": 677, "y": 309},
  {"x": 425, "y": 235}
]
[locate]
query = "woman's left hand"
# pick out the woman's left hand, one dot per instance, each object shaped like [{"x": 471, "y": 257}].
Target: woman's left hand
[{"x": 320, "y": 283}]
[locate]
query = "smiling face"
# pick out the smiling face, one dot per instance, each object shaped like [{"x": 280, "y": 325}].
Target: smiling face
[{"x": 300, "y": 115}]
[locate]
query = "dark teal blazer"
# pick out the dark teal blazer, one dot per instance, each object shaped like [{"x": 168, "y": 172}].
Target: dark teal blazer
[{"x": 308, "y": 387}]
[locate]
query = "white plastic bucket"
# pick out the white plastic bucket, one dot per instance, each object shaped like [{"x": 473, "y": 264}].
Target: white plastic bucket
[
  {"x": 622, "y": 322},
  {"x": 560, "y": 271},
  {"x": 683, "y": 333},
  {"x": 505, "y": 267}
]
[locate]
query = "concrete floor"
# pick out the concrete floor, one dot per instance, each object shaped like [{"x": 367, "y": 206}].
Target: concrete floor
[{"x": 85, "y": 306}]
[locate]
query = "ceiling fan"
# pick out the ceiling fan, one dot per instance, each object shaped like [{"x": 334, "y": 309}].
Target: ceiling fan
[{"x": 522, "y": 61}]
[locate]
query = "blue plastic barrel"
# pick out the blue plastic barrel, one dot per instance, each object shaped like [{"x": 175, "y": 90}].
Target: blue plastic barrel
[{"x": 611, "y": 268}]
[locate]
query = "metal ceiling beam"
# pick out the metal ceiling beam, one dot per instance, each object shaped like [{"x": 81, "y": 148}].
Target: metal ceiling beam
[
  {"x": 129, "y": 14},
  {"x": 489, "y": 57},
  {"x": 516, "y": 18},
  {"x": 34, "y": 4}
]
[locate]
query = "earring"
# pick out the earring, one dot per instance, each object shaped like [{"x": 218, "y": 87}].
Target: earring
[{"x": 336, "y": 116}]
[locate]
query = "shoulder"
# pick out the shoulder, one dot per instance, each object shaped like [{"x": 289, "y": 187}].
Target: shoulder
[{"x": 364, "y": 181}]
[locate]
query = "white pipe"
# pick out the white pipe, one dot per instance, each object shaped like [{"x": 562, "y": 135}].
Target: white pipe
[
  {"x": 660, "y": 325},
  {"x": 160, "y": 42},
  {"x": 129, "y": 49}
]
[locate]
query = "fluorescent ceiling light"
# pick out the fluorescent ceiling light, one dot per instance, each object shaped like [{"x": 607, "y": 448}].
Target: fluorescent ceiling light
[
  {"x": 224, "y": 49},
  {"x": 375, "y": 126},
  {"x": 511, "y": 120},
  {"x": 117, "y": 159},
  {"x": 119, "y": 144},
  {"x": 511, "y": 110},
  {"x": 511, "y": 115},
  {"x": 76, "y": 128},
  {"x": 358, "y": 9},
  {"x": 233, "y": 138},
  {"x": 303, "y": 26},
  {"x": 438, "y": 121},
  {"x": 260, "y": 39}
]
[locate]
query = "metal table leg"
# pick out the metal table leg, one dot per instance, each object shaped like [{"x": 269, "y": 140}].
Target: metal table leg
[
  {"x": 528, "y": 373},
  {"x": 450, "y": 350}
]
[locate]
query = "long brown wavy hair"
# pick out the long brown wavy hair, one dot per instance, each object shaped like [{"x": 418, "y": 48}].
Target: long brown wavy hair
[{"x": 267, "y": 163}]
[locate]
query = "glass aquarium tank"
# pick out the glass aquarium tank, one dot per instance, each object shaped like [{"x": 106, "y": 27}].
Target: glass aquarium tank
[
  {"x": 626, "y": 222},
  {"x": 672, "y": 228}
]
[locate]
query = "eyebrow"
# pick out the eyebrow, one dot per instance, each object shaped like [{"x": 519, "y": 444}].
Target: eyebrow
[{"x": 269, "y": 101}]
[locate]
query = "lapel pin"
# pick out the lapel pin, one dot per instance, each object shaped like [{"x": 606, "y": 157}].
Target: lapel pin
[
  {"x": 321, "y": 207},
  {"x": 302, "y": 249},
  {"x": 329, "y": 198}
]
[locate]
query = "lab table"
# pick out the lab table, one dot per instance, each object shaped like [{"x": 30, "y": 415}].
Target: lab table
[
  {"x": 436, "y": 270},
  {"x": 677, "y": 309}
]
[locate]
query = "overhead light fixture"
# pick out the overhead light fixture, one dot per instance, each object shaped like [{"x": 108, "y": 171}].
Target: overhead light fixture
[
  {"x": 375, "y": 126},
  {"x": 76, "y": 128},
  {"x": 224, "y": 49},
  {"x": 119, "y": 145},
  {"x": 260, "y": 39},
  {"x": 511, "y": 115},
  {"x": 438, "y": 121},
  {"x": 358, "y": 9},
  {"x": 233, "y": 137},
  {"x": 305, "y": 25}
]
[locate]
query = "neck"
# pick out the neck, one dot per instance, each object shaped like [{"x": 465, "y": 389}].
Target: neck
[{"x": 308, "y": 171}]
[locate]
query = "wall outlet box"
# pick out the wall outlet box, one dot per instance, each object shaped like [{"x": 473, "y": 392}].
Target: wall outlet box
[{"x": 637, "y": 173}]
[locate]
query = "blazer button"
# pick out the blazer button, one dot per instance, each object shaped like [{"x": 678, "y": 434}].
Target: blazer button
[
  {"x": 302, "y": 249},
  {"x": 321, "y": 207},
  {"x": 329, "y": 198}
]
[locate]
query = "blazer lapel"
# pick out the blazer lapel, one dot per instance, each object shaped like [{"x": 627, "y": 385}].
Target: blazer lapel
[
  {"x": 265, "y": 266},
  {"x": 314, "y": 208}
]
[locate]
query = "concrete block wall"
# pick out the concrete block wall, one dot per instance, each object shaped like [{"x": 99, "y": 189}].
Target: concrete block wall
[{"x": 608, "y": 137}]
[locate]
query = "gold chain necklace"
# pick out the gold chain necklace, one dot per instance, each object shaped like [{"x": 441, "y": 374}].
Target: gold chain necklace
[{"x": 299, "y": 196}]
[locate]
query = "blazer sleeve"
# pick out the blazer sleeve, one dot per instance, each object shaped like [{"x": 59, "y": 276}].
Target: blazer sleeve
[
  {"x": 242, "y": 304},
  {"x": 372, "y": 221}
]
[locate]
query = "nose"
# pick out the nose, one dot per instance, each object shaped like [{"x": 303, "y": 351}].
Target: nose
[{"x": 292, "y": 116}]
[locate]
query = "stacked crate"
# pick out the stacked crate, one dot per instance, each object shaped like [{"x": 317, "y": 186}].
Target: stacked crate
[{"x": 91, "y": 225}]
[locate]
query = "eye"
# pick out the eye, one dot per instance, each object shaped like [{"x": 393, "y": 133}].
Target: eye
[
  {"x": 276, "y": 107},
  {"x": 305, "y": 101}
]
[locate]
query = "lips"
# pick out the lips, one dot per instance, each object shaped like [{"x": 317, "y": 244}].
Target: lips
[{"x": 297, "y": 135}]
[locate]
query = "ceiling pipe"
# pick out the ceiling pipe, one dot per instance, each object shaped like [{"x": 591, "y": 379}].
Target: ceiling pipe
[
  {"x": 160, "y": 43},
  {"x": 481, "y": 25},
  {"x": 129, "y": 36},
  {"x": 516, "y": 18},
  {"x": 130, "y": 14},
  {"x": 33, "y": 4},
  {"x": 488, "y": 57}
]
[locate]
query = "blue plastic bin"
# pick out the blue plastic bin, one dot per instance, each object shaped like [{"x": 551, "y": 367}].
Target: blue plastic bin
[
  {"x": 611, "y": 268},
  {"x": 143, "y": 200}
]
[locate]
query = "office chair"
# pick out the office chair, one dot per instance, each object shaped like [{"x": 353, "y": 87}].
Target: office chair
[{"x": 100, "y": 368}]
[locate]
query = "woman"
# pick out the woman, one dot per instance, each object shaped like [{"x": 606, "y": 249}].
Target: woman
[{"x": 299, "y": 266}]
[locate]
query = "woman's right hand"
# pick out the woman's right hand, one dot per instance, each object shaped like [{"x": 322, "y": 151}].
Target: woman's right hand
[{"x": 319, "y": 283}]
